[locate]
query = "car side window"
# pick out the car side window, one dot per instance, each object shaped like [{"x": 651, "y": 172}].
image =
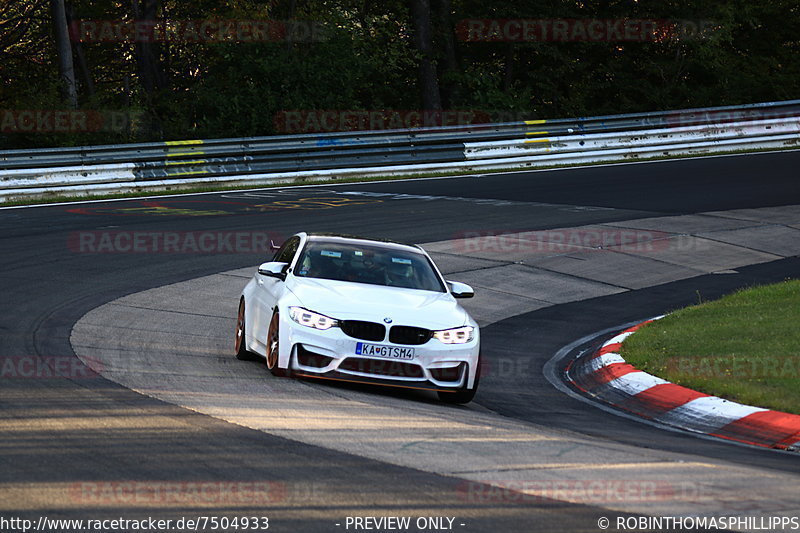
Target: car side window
[{"x": 287, "y": 251}]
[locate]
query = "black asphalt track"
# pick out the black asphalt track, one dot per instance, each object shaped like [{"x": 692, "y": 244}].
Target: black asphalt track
[
  {"x": 520, "y": 346},
  {"x": 70, "y": 430}
]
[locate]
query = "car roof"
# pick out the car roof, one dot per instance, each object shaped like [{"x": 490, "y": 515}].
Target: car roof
[{"x": 344, "y": 238}]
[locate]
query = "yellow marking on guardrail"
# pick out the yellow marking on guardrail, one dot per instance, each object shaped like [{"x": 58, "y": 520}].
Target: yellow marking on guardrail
[
  {"x": 181, "y": 154},
  {"x": 195, "y": 162},
  {"x": 532, "y": 122},
  {"x": 537, "y": 133},
  {"x": 182, "y": 143},
  {"x": 537, "y": 141}
]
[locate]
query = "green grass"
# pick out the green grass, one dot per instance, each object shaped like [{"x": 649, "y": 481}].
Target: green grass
[
  {"x": 744, "y": 347},
  {"x": 177, "y": 190}
]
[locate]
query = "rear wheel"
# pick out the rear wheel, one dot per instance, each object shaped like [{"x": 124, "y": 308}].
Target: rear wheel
[
  {"x": 240, "y": 344},
  {"x": 462, "y": 395},
  {"x": 273, "y": 346}
]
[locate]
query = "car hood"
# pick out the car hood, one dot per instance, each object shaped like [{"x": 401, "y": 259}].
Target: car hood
[{"x": 359, "y": 301}]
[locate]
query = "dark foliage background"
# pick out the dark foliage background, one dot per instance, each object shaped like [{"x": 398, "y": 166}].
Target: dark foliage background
[{"x": 381, "y": 55}]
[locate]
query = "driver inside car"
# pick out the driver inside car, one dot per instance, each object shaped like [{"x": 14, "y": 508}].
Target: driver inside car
[{"x": 368, "y": 267}]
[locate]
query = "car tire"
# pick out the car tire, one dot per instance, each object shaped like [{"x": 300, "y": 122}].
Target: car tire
[
  {"x": 273, "y": 346},
  {"x": 240, "y": 342},
  {"x": 463, "y": 395}
]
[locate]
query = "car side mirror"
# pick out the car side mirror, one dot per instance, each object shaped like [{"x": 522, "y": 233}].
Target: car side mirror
[
  {"x": 460, "y": 290},
  {"x": 273, "y": 269}
]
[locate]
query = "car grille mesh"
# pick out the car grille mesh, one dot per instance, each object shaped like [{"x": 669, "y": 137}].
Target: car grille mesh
[
  {"x": 368, "y": 331},
  {"x": 382, "y": 368},
  {"x": 308, "y": 358},
  {"x": 409, "y": 335},
  {"x": 448, "y": 374}
]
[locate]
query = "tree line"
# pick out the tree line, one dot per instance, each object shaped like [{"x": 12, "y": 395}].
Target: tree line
[{"x": 105, "y": 71}]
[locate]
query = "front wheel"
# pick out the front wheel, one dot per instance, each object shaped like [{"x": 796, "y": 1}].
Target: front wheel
[
  {"x": 240, "y": 344},
  {"x": 273, "y": 346},
  {"x": 462, "y": 395}
]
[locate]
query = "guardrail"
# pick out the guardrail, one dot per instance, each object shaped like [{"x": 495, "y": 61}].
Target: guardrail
[{"x": 262, "y": 160}]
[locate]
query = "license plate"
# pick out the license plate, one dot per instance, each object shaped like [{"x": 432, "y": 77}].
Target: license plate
[{"x": 385, "y": 352}]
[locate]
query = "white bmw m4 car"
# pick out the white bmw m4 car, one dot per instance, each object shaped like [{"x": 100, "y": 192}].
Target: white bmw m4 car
[{"x": 353, "y": 309}]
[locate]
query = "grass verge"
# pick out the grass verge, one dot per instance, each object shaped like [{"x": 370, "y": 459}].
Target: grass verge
[{"x": 744, "y": 347}]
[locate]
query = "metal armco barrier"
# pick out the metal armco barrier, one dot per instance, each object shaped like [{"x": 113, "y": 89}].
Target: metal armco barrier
[{"x": 262, "y": 160}]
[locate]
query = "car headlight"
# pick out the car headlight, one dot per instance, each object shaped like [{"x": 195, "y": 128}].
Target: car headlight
[
  {"x": 456, "y": 335},
  {"x": 310, "y": 319}
]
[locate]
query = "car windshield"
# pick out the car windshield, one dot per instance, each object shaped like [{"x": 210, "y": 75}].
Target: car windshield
[{"x": 365, "y": 263}]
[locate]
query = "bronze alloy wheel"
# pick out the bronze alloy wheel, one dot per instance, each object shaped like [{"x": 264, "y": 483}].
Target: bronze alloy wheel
[
  {"x": 240, "y": 345},
  {"x": 273, "y": 344}
]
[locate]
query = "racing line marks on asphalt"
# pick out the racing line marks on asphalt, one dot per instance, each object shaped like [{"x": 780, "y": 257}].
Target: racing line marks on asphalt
[{"x": 479, "y": 201}]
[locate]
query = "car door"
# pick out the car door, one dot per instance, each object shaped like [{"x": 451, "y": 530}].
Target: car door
[{"x": 269, "y": 290}]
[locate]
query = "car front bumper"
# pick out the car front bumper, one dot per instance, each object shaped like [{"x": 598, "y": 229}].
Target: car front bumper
[{"x": 331, "y": 354}]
